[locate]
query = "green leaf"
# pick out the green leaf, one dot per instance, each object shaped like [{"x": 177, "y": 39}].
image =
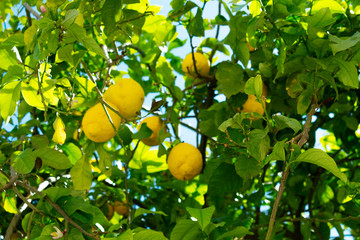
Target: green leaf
[
  {"x": 246, "y": 167},
  {"x": 322, "y": 159},
  {"x": 333, "y": 5},
  {"x": 195, "y": 26},
  {"x": 24, "y": 162},
  {"x": 181, "y": 10},
  {"x": 8, "y": 58},
  {"x": 321, "y": 18},
  {"x": 238, "y": 232},
  {"x": 89, "y": 43},
  {"x": 75, "y": 234},
  {"x": 347, "y": 74},
  {"x": 9, "y": 203},
  {"x": 30, "y": 92},
  {"x": 73, "y": 152},
  {"x": 127, "y": 235},
  {"x": 53, "y": 158},
  {"x": 160, "y": 28},
  {"x": 144, "y": 132},
  {"x": 337, "y": 44},
  {"x": 142, "y": 211},
  {"x": 230, "y": 78},
  {"x": 54, "y": 193},
  {"x": 70, "y": 17},
  {"x": 282, "y": 122},
  {"x": 203, "y": 215},
  {"x": 111, "y": 13},
  {"x": 254, "y": 86},
  {"x": 29, "y": 36},
  {"x": 258, "y": 144},
  {"x": 15, "y": 40},
  {"x": 147, "y": 160},
  {"x": 39, "y": 141},
  {"x": 65, "y": 54},
  {"x": 304, "y": 101},
  {"x": 3, "y": 180},
  {"x": 9, "y": 97},
  {"x": 234, "y": 122},
  {"x": 186, "y": 229},
  {"x": 278, "y": 152},
  {"x": 105, "y": 161},
  {"x": 149, "y": 235},
  {"x": 81, "y": 174},
  {"x": 224, "y": 180}
]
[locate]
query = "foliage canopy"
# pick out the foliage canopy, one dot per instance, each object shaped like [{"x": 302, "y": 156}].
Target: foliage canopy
[{"x": 262, "y": 176}]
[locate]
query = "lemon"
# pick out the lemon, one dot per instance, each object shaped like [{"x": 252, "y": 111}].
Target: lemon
[
  {"x": 202, "y": 65},
  {"x": 127, "y": 95},
  {"x": 60, "y": 135},
  {"x": 251, "y": 105},
  {"x": 155, "y": 124},
  {"x": 185, "y": 161},
  {"x": 121, "y": 208},
  {"x": 96, "y": 124}
]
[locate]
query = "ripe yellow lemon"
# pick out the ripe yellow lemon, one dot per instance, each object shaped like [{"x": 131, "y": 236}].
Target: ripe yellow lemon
[
  {"x": 127, "y": 95},
  {"x": 96, "y": 124},
  {"x": 251, "y": 105},
  {"x": 155, "y": 124},
  {"x": 185, "y": 161},
  {"x": 202, "y": 65},
  {"x": 121, "y": 208}
]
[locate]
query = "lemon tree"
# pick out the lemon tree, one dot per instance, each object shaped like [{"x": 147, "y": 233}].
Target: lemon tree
[{"x": 196, "y": 120}]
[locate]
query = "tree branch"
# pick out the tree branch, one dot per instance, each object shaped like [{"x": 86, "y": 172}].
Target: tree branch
[
  {"x": 57, "y": 208},
  {"x": 30, "y": 9},
  {"x": 303, "y": 137}
]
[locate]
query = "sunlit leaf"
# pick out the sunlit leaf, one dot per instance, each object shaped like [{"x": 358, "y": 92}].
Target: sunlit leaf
[
  {"x": 203, "y": 216},
  {"x": 186, "y": 230},
  {"x": 81, "y": 174},
  {"x": 9, "y": 97},
  {"x": 320, "y": 158}
]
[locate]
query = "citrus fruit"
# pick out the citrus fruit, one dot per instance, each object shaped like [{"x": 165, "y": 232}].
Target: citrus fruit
[
  {"x": 202, "y": 65},
  {"x": 155, "y": 124},
  {"x": 185, "y": 161},
  {"x": 96, "y": 124},
  {"x": 251, "y": 105},
  {"x": 127, "y": 95},
  {"x": 121, "y": 208}
]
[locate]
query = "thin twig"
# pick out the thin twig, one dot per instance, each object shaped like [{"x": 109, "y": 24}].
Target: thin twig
[
  {"x": 303, "y": 137},
  {"x": 30, "y": 9},
  {"x": 25, "y": 200},
  {"x": 57, "y": 208}
]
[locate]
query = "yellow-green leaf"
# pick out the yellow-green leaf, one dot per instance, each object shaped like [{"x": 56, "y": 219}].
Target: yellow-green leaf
[
  {"x": 9, "y": 97},
  {"x": 81, "y": 174}
]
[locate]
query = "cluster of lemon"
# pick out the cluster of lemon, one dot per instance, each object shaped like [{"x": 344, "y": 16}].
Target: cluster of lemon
[
  {"x": 126, "y": 96},
  {"x": 201, "y": 68}
]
